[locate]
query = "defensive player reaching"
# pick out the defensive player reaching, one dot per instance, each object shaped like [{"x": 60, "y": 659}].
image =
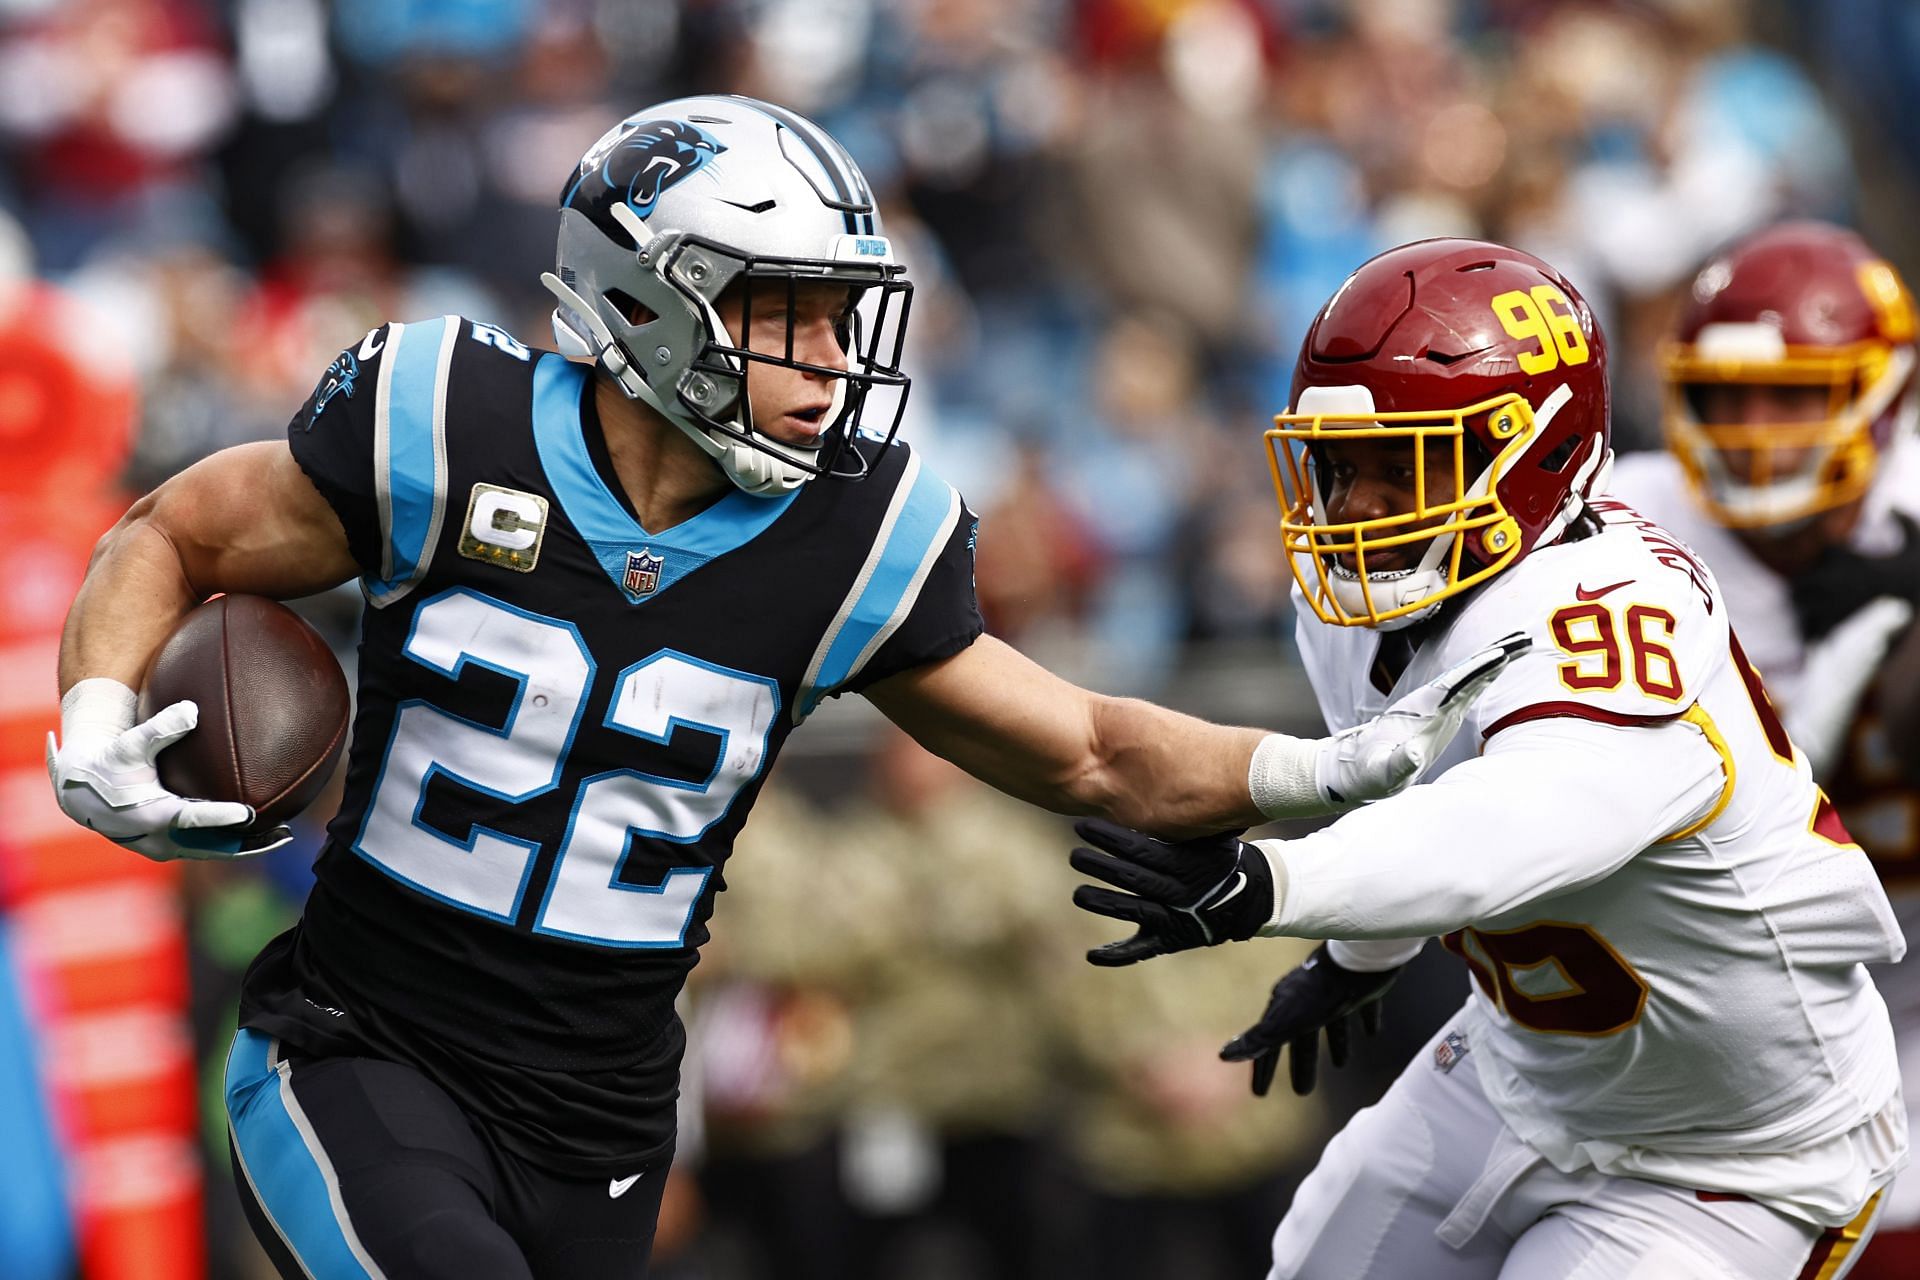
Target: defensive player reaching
[
  {"x": 1794, "y": 472},
  {"x": 602, "y": 595},
  {"x": 1672, "y": 1062}
]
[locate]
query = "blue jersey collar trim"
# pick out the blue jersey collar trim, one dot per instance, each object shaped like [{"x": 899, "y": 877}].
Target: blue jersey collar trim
[{"x": 608, "y": 528}]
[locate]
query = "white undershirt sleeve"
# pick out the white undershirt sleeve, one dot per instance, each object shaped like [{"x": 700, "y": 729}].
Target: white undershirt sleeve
[
  {"x": 1553, "y": 804},
  {"x": 1373, "y": 955}
]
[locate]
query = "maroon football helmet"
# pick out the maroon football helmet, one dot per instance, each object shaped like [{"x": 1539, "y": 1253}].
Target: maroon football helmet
[
  {"x": 1443, "y": 340},
  {"x": 1808, "y": 314}
]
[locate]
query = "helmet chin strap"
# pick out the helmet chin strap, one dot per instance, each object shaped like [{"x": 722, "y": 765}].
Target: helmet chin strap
[{"x": 755, "y": 471}]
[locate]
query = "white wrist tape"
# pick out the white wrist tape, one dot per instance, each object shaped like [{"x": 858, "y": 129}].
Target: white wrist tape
[
  {"x": 1373, "y": 955},
  {"x": 98, "y": 705},
  {"x": 1282, "y": 777}
]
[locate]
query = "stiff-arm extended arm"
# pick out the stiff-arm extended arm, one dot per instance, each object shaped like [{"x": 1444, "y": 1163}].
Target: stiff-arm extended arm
[
  {"x": 1013, "y": 724},
  {"x": 1552, "y": 805}
]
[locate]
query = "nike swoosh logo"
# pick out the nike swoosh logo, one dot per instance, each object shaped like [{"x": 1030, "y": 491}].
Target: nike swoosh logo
[
  {"x": 1240, "y": 882},
  {"x": 368, "y": 347},
  {"x": 1581, "y": 593},
  {"x": 620, "y": 1186},
  {"x": 758, "y": 207}
]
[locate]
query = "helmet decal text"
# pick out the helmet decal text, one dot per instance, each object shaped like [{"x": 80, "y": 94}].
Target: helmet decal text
[{"x": 1545, "y": 316}]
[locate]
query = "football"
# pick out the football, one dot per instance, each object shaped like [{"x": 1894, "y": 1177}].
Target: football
[{"x": 274, "y": 707}]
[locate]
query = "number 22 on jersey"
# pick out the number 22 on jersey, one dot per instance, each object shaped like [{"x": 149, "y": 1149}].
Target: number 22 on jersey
[{"x": 586, "y": 898}]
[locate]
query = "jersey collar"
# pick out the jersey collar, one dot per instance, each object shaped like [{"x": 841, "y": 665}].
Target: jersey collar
[{"x": 606, "y": 523}]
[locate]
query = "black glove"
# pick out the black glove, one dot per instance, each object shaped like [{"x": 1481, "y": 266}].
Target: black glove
[
  {"x": 1842, "y": 580},
  {"x": 1318, "y": 996},
  {"x": 1183, "y": 894}
]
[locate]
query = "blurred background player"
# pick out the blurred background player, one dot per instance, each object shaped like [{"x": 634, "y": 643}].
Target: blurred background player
[
  {"x": 1794, "y": 471},
  {"x": 1672, "y": 1060}
]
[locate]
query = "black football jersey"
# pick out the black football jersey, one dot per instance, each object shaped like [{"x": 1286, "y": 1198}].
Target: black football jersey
[{"x": 563, "y": 720}]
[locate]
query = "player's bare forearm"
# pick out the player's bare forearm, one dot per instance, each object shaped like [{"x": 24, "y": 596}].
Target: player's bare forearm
[
  {"x": 135, "y": 591},
  {"x": 245, "y": 519},
  {"x": 1168, "y": 773},
  {"x": 1019, "y": 728}
]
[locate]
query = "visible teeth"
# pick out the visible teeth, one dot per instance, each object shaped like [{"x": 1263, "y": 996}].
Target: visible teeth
[{"x": 1373, "y": 575}]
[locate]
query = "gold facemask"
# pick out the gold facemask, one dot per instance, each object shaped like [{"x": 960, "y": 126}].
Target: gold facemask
[
  {"x": 1449, "y": 512},
  {"x": 1755, "y": 474}
]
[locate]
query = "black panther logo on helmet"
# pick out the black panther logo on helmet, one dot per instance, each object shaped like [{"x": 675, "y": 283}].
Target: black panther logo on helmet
[{"x": 635, "y": 163}]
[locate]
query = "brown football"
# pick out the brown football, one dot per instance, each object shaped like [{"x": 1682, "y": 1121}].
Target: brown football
[{"x": 273, "y": 706}]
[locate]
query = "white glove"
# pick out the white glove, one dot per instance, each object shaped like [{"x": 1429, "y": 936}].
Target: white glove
[
  {"x": 104, "y": 779},
  {"x": 1300, "y": 778},
  {"x": 1384, "y": 755},
  {"x": 1836, "y": 673}
]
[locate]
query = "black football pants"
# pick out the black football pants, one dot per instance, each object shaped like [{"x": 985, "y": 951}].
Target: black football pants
[{"x": 362, "y": 1169}]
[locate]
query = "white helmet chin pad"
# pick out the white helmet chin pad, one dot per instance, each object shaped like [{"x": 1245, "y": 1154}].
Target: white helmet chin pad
[
  {"x": 755, "y": 471},
  {"x": 1395, "y": 588},
  {"x": 1390, "y": 591}
]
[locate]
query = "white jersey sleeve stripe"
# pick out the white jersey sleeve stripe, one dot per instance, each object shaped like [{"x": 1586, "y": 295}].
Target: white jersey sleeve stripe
[
  {"x": 918, "y": 521},
  {"x": 410, "y": 452}
]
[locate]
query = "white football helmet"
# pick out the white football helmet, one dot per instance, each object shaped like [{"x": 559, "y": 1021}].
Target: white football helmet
[{"x": 678, "y": 202}]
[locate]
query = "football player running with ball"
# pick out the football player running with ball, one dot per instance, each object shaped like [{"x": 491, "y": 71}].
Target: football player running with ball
[
  {"x": 603, "y": 590},
  {"x": 1672, "y": 1062},
  {"x": 1791, "y": 400}
]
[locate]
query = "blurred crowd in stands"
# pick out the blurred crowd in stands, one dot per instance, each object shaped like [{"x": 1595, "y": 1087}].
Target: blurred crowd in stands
[{"x": 1120, "y": 215}]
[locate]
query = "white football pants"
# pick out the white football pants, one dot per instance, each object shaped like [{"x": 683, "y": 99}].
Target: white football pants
[{"x": 1429, "y": 1182}]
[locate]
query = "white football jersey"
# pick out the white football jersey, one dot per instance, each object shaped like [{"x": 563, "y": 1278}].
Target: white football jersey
[
  {"x": 1696, "y": 1013},
  {"x": 1878, "y": 808},
  {"x": 1879, "y": 811}
]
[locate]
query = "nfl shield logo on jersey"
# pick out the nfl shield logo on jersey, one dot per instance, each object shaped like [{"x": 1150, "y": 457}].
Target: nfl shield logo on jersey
[
  {"x": 1447, "y": 1054},
  {"x": 643, "y": 573}
]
